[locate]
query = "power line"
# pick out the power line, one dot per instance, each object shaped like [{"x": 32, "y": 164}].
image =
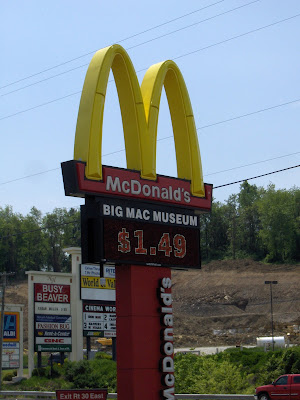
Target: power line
[
  {"x": 43, "y": 80},
  {"x": 236, "y": 37},
  {"x": 248, "y": 114},
  {"x": 73, "y": 222},
  {"x": 118, "y": 41},
  {"x": 242, "y": 116},
  {"x": 40, "y": 105},
  {"x": 30, "y": 176},
  {"x": 258, "y": 176},
  {"x": 194, "y": 24},
  {"x": 133, "y": 47},
  {"x": 174, "y": 58},
  {"x": 201, "y": 127},
  {"x": 122, "y": 150},
  {"x": 255, "y": 163}
]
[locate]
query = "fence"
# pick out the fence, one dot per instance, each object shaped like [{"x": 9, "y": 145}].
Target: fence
[{"x": 51, "y": 395}]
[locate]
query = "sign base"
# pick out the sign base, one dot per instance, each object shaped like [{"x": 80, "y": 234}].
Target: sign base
[{"x": 139, "y": 331}]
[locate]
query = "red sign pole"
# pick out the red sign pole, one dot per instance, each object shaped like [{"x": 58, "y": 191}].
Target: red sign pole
[{"x": 140, "y": 354}]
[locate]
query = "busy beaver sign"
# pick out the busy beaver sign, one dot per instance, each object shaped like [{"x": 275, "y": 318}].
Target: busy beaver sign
[{"x": 141, "y": 222}]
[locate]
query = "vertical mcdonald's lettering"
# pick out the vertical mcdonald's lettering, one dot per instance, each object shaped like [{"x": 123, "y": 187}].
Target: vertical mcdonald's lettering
[{"x": 135, "y": 219}]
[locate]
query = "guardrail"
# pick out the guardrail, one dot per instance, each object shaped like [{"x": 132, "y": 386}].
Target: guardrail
[{"x": 8, "y": 394}]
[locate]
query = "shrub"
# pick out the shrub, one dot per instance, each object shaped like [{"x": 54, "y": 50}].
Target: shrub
[
  {"x": 90, "y": 374},
  {"x": 102, "y": 355},
  {"x": 8, "y": 376},
  {"x": 41, "y": 372}
]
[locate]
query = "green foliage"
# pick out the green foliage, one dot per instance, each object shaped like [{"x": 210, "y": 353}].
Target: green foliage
[
  {"x": 208, "y": 375},
  {"x": 8, "y": 376},
  {"x": 41, "y": 372},
  {"x": 279, "y": 224},
  {"x": 234, "y": 371},
  {"x": 48, "y": 372},
  {"x": 99, "y": 372},
  {"x": 62, "y": 230},
  {"x": 25, "y": 359},
  {"x": 37, "y": 383},
  {"x": 255, "y": 223},
  {"x": 102, "y": 355},
  {"x": 213, "y": 229},
  {"x": 34, "y": 242}
]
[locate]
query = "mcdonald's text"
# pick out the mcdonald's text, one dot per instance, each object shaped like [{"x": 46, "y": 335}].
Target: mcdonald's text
[
  {"x": 128, "y": 184},
  {"x": 167, "y": 362}
]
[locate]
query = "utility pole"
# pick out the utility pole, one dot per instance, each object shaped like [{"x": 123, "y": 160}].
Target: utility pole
[
  {"x": 3, "y": 275},
  {"x": 271, "y": 283}
]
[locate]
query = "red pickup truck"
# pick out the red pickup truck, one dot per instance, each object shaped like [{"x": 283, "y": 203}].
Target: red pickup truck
[{"x": 286, "y": 387}]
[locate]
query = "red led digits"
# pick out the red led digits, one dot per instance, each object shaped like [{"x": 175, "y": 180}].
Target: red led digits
[
  {"x": 179, "y": 243},
  {"x": 150, "y": 244},
  {"x": 124, "y": 243},
  {"x": 140, "y": 236},
  {"x": 164, "y": 244}
]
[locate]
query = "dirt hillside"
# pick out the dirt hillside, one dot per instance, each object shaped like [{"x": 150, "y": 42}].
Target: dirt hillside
[
  {"x": 224, "y": 303},
  {"x": 228, "y": 303}
]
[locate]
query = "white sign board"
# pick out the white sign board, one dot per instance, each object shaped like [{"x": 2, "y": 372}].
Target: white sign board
[
  {"x": 95, "y": 287},
  {"x": 11, "y": 355},
  {"x": 52, "y": 308}
]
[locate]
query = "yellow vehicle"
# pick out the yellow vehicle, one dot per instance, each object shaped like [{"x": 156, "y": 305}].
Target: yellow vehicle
[{"x": 104, "y": 341}]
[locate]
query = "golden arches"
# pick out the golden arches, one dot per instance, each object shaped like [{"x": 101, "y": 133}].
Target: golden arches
[{"x": 139, "y": 109}]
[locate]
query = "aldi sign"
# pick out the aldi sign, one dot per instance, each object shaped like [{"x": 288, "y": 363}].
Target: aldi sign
[{"x": 11, "y": 327}]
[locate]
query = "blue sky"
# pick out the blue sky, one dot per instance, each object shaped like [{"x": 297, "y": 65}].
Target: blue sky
[{"x": 237, "y": 57}]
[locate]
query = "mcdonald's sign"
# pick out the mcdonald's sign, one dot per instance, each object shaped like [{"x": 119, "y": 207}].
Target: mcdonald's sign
[
  {"x": 134, "y": 216},
  {"x": 85, "y": 175}
]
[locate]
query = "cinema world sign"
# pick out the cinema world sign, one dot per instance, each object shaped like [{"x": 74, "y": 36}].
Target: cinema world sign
[{"x": 85, "y": 175}]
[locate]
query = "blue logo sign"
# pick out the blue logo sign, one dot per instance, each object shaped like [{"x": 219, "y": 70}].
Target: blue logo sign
[{"x": 10, "y": 326}]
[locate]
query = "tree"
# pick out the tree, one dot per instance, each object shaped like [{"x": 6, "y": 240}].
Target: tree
[
  {"x": 33, "y": 249},
  {"x": 11, "y": 238},
  {"x": 233, "y": 224},
  {"x": 279, "y": 223},
  {"x": 249, "y": 221},
  {"x": 62, "y": 230},
  {"x": 213, "y": 230}
]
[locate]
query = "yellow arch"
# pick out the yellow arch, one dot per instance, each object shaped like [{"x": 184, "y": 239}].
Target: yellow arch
[
  {"x": 188, "y": 157},
  {"x": 139, "y": 110}
]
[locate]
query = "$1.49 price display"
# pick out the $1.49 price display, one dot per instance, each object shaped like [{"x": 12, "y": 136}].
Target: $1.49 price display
[
  {"x": 164, "y": 245},
  {"x": 145, "y": 243}
]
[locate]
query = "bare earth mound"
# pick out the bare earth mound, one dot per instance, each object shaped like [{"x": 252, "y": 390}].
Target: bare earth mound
[
  {"x": 228, "y": 303},
  {"x": 224, "y": 303}
]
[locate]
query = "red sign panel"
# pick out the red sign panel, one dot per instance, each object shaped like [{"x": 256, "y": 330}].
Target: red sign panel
[
  {"x": 51, "y": 293},
  {"x": 150, "y": 244},
  {"x": 82, "y": 394},
  {"x": 126, "y": 183}
]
